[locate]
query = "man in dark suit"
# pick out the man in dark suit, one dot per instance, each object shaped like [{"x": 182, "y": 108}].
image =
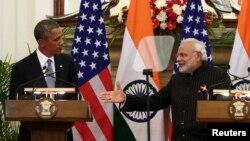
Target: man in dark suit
[
  {"x": 30, "y": 71},
  {"x": 181, "y": 92}
]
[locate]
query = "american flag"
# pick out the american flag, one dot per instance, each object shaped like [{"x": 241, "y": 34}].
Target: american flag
[
  {"x": 193, "y": 26},
  {"x": 91, "y": 56}
]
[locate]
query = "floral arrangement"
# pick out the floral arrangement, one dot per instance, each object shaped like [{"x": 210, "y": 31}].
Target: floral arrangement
[
  {"x": 167, "y": 17},
  {"x": 167, "y": 14}
]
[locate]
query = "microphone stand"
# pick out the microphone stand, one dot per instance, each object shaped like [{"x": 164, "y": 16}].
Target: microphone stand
[
  {"x": 79, "y": 95},
  {"x": 229, "y": 82},
  {"x": 148, "y": 72},
  {"x": 236, "y": 78},
  {"x": 44, "y": 71}
]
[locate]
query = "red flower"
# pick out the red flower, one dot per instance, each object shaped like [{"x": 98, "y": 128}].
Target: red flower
[
  {"x": 156, "y": 23},
  {"x": 167, "y": 12},
  {"x": 171, "y": 25},
  {"x": 202, "y": 89}
]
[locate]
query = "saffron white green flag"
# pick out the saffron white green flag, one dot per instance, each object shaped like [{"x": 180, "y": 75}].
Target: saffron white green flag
[
  {"x": 240, "y": 57},
  {"x": 138, "y": 52}
]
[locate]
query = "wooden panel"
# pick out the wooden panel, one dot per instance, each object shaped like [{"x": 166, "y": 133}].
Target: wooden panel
[
  {"x": 58, "y": 7},
  {"x": 68, "y": 110},
  {"x": 214, "y": 111}
]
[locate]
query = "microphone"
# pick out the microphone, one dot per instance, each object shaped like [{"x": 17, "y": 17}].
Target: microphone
[
  {"x": 45, "y": 71},
  {"x": 237, "y": 77},
  {"x": 30, "y": 81},
  {"x": 229, "y": 82},
  {"x": 72, "y": 84},
  {"x": 147, "y": 72},
  {"x": 35, "y": 80}
]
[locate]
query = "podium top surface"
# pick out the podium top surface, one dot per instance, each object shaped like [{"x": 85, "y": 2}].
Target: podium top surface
[
  {"x": 50, "y": 90},
  {"x": 68, "y": 110}
]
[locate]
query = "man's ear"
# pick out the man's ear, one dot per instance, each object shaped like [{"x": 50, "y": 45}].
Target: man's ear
[
  {"x": 199, "y": 54},
  {"x": 41, "y": 42}
]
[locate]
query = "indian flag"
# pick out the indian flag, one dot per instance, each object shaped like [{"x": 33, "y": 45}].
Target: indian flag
[
  {"x": 138, "y": 52},
  {"x": 240, "y": 57}
]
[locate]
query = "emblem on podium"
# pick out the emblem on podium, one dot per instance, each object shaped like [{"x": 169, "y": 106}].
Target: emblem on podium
[
  {"x": 238, "y": 109},
  {"x": 46, "y": 108}
]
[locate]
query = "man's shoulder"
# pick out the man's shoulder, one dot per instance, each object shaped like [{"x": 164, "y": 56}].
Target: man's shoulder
[
  {"x": 178, "y": 75},
  {"x": 217, "y": 69},
  {"x": 26, "y": 60},
  {"x": 64, "y": 56}
]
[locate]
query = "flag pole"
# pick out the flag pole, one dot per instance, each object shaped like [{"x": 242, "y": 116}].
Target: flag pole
[{"x": 147, "y": 73}]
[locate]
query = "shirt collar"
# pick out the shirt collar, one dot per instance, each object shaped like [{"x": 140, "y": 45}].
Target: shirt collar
[
  {"x": 42, "y": 58},
  {"x": 203, "y": 67}
]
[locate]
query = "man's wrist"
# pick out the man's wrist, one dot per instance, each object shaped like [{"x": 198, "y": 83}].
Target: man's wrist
[{"x": 121, "y": 105}]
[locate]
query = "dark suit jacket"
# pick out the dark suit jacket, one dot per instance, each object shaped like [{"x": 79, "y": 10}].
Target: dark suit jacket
[
  {"x": 182, "y": 93},
  {"x": 28, "y": 73}
]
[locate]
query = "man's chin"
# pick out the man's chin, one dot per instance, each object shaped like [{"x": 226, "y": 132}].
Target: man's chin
[{"x": 183, "y": 70}]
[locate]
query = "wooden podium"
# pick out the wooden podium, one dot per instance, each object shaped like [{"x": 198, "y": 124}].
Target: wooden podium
[
  {"x": 214, "y": 111},
  {"x": 53, "y": 129},
  {"x": 217, "y": 111}
]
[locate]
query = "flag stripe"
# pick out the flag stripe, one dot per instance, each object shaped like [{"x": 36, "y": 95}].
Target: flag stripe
[
  {"x": 143, "y": 36},
  {"x": 243, "y": 26},
  {"x": 138, "y": 30},
  {"x": 96, "y": 130},
  {"x": 76, "y": 134},
  {"x": 105, "y": 77},
  {"x": 84, "y": 131},
  {"x": 170, "y": 125},
  {"x": 97, "y": 111}
]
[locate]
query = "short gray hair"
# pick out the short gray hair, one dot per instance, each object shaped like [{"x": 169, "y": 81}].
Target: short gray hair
[{"x": 198, "y": 46}]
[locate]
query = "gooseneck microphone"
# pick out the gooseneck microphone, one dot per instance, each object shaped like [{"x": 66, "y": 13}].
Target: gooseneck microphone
[
  {"x": 30, "y": 81},
  {"x": 35, "y": 80},
  {"x": 45, "y": 71},
  {"x": 72, "y": 84},
  {"x": 229, "y": 82},
  {"x": 237, "y": 77}
]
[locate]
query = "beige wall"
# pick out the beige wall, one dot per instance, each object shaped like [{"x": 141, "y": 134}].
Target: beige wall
[
  {"x": 17, "y": 21},
  {"x": 18, "y": 18}
]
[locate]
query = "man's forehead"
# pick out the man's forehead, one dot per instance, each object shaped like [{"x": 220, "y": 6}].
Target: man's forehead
[{"x": 185, "y": 47}]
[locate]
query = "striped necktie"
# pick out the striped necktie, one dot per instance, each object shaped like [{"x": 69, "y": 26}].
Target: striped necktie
[{"x": 50, "y": 80}]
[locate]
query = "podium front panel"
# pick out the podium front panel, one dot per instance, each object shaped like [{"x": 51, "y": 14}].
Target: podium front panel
[
  {"x": 214, "y": 111},
  {"x": 68, "y": 110}
]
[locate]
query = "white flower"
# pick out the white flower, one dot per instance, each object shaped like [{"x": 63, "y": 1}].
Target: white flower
[
  {"x": 177, "y": 9},
  {"x": 162, "y": 16},
  {"x": 179, "y": 19},
  {"x": 163, "y": 25},
  {"x": 120, "y": 20},
  {"x": 160, "y": 3},
  {"x": 183, "y": 7}
]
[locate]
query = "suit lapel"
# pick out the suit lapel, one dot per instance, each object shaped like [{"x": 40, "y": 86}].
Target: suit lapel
[
  {"x": 36, "y": 70},
  {"x": 58, "y": 68}
]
